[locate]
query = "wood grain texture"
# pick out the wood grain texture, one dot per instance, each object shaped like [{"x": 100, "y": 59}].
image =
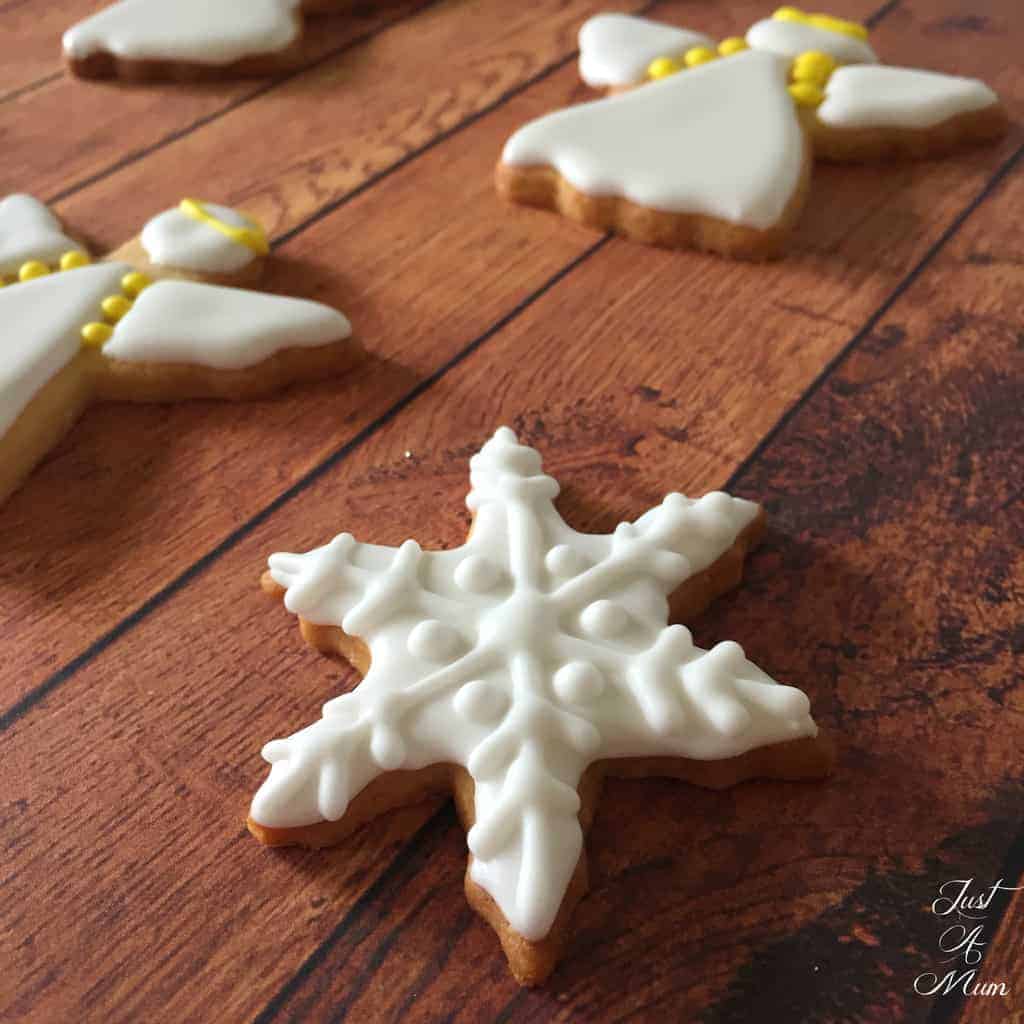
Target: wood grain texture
[
  {"x": 388, "y": 238},
  {"x": 889, "y": 588}
]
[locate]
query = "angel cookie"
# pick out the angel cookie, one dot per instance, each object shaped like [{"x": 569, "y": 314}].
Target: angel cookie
[
  {"x": 150, "y": 40},
  {"x": 144, "y": 324},
  {"x": 516, "y": 672},
  {"x": 746, "y": 114}
]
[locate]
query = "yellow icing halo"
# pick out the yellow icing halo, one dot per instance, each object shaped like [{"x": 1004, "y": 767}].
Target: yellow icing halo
[
  {"x": 823, "y": 21},
  {"x": 252, "y": 238}
]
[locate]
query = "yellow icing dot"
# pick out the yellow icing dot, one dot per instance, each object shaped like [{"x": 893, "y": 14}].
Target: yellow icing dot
[
  {"x": 95, "y": 335},
  {"x": 2, "y": 281},
  {"x": 814, "y": 67},
  {"x": 734, "y": 44},
  {"x": 662, "y": 67},
  {"x": 806, "y": 94},
  {"x": 74, "y": 259},
  {"x": 134, "y": 284},
  {"x": 32, "y": 269},
  {"x": 822, "y": 21},
  {"x": 115, "y": 306},
  {"x": 697, "y": 55}
]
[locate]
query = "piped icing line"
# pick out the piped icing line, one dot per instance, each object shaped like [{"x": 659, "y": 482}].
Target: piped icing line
[
  {"x": 524, "y": 655},
  {"x": 213, "y": 32},
  {"x": 32, "y": 242},
  {"x": 738, "y": 153},
  {"x": 203, "y": 238},
  {"x": 221, "y": 328},
  {"x": 886, "y": 97}
]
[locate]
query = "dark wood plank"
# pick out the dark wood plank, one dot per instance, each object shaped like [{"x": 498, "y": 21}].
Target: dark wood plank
[{"x": 382, "y": 250}]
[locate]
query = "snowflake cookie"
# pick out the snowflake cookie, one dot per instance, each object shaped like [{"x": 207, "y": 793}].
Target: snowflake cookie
[
  {"x": 154, "y": 40},
  {"x": 145, "y": 324},
  {"x": 517, "y": 671},
  {"x": 714, "y": 151}
]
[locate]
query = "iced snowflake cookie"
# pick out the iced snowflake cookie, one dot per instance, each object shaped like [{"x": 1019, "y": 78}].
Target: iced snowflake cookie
[
  {"x": 517, "y": 671},
  {"x": 79, "y": 332},
  {"x": 731, "y": 175},
  {"x": 151, "y": 40}
]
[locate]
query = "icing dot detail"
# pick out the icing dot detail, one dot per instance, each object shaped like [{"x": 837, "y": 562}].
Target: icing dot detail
[
  {"x": 476, "y": 574},
  {"x": 95, "y": 335},
  {"x": 482, "y": 702},
  {"x": 433, "y": 640},
  {"x": 662, "y": 67},
  {"x": 134, "y": 284},
  {"x": 732, "y": 44},
  {"x": 604, "y": 619},
  {"x": 31, "y": 270},
  {"x": 74, "y": 259},
  {"x": 578, "y": 682},
  {"x": 115, "y": 306},
  {"x": 562, "y": 561},
  {"x": 813, "y": 66},
  {"x": 806, "y": 94},
  {"x": 698, "y": 55}
]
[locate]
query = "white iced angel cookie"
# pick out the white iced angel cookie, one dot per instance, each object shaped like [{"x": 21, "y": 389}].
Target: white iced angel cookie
[
  {"x": 731, "y": 173},
  {"x": 522, "y": 657},
  {"x": 156, "y": 39},
  {"x": 616, "y": 49},
  {"x": 790, "y": 32},
  {"x": 727, "y": 177},
  {"x": 77, "y": 333},
  {"x": 30, "y": 234},
  {"x": 204, "y": 238}
]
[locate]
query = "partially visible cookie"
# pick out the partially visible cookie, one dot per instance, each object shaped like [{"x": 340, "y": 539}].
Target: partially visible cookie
[
  {"x": 80, "y": 332},
  {"x": 150, "y": 40}
]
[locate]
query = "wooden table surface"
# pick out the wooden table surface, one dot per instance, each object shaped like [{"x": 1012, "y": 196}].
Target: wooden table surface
[{"x": 866, "y": 389}]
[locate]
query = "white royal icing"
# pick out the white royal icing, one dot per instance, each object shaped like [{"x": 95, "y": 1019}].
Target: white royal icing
[
  {"x": 42, "y": 321},
  {"x": 29, "y": 231},
  {"x": 722, "y": 140},
  {"x": 615, "y": 49},
  {"x": 223, "y": 328},
  {"x": 884, "y": 97},
  {"x": 175, "y": 239},
  {"x": 524, "y": 655},
  {"x": 200, "y": 31},
  {"x": 791, "y": 38}
]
